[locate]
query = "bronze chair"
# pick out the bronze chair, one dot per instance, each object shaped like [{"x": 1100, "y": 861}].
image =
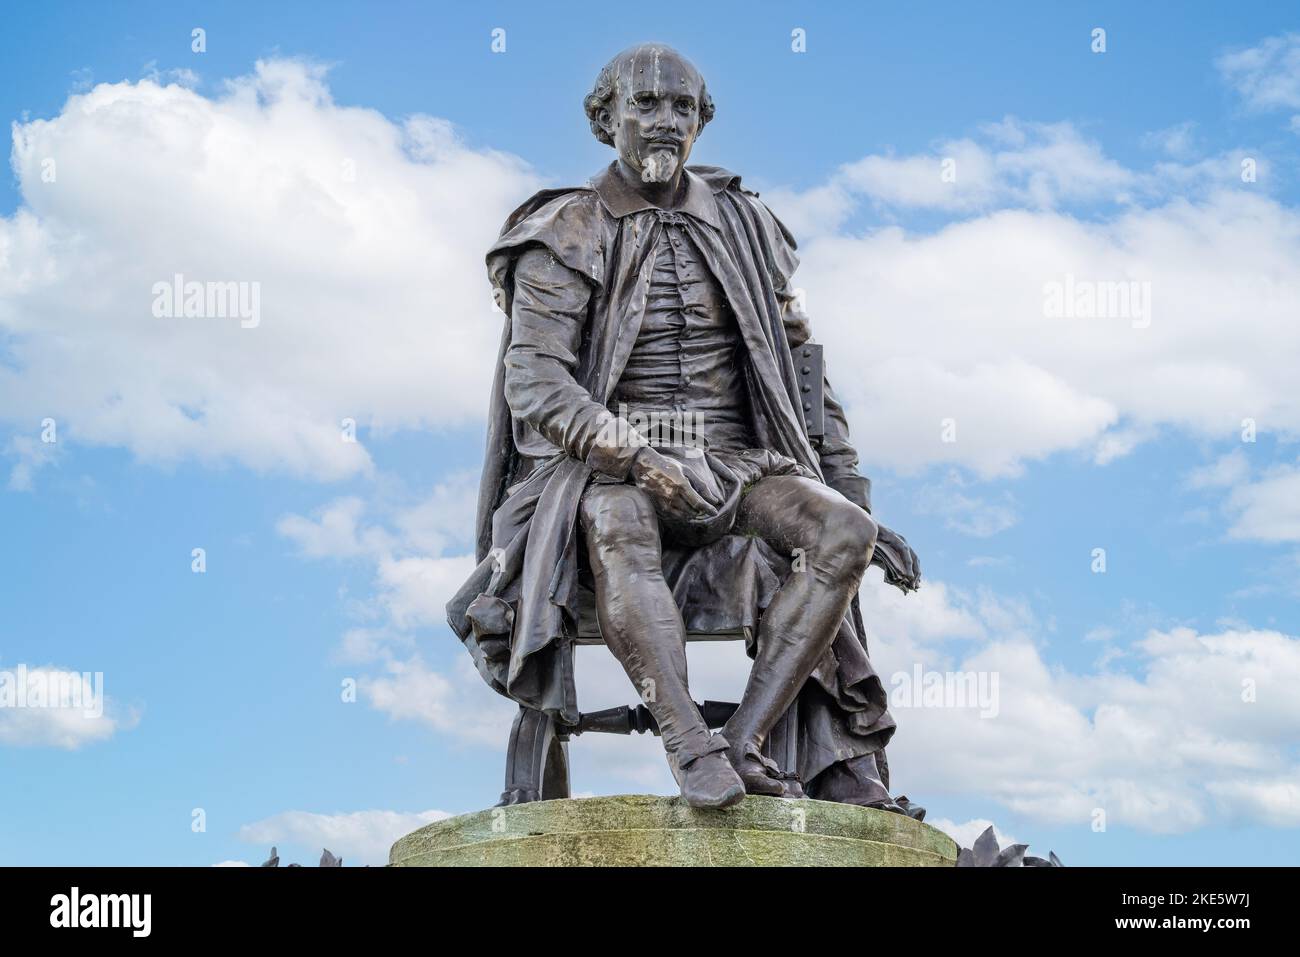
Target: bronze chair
[{"x": 537, "y": 759}]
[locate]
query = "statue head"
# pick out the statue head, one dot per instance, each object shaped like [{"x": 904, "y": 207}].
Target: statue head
[{"x": 650, "y": 104}]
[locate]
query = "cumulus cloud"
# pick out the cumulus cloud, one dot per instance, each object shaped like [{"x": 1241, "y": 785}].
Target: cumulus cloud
[
  {"x": 1259, "y": 504},
  {"x": 1225, "y": 471},
  {"x": 364, "y": 236},
  {"x": 415, "y": 591},
  {"x": 458, "y": 704},
  {"x": 1020, "y": 164},
  {"x": 1267, "y": 75},
  {"x": 1178, "y": 141},
  {"x": 1267, "y": 509},
  {"x": 1273, "y": 801},
  {"x": 1198, "y": 727},
  {"x": 956, "y": 349},
  {"x": 359, "y": 837},
  {"x": 1010, "y": 164},
  {"x": 957, "y": 359},
  {"x": 334, "y": 532},
  {"x": 418, "y": 553},
  {"x": 49, "y": 706}
]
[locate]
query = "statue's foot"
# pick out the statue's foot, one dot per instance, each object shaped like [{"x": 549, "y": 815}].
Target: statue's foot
[
  {"x": 760, "y": 775},
  {"x": 518, "y": 796},
  {"x": 710, "y": 781},
  {"x": 792, "y": 788},
  {"x": 914, "y": 811},
  {"x": 886, "y": 806}
]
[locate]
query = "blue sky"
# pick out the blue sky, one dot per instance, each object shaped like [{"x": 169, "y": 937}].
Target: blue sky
[{"x": 328, "y": 561}]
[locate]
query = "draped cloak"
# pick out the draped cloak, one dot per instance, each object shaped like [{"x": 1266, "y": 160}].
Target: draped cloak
[{"x": 529, "y": 596}]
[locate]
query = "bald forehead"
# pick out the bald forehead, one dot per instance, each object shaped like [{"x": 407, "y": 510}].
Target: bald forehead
[{"x": 658, "y": 70}]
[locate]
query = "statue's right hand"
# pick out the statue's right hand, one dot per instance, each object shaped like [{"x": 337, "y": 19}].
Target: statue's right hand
[{"x": 665, "y": 481}]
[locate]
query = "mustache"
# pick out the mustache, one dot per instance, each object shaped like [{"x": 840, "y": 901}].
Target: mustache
[{"x": 664, "y": 139}]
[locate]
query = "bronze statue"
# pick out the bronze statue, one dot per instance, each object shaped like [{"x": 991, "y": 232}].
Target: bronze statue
[{"x": 663, "y": 452}]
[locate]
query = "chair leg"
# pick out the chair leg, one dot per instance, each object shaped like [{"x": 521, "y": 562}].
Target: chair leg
[
  {"x": 555, "y": 773},
  {"x": 537, "y": 761},
  {"x": 782, "y": 744}
]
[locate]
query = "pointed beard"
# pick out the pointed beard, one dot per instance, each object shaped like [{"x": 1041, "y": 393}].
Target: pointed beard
[{"x": 658, "y": 167}]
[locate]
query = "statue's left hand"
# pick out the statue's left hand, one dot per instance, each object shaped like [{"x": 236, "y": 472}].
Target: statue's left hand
[{"x": 893, "y": 554}]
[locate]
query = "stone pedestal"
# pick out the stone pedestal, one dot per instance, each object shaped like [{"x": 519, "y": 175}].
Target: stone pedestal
[{"x": 646, "y": 831}]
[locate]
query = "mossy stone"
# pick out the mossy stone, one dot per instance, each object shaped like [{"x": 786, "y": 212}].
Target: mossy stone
[{"x": 647, "y": 831}]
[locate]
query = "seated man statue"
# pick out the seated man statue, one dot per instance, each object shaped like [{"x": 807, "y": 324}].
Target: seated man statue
[{"x": 659, "y": 295}]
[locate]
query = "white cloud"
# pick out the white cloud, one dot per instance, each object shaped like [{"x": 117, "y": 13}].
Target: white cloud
[
  {"x": 966, "y": 832},
  {"x": 968, "y": 514},
  {"x": 1268, "y": 509},
  {"x": 366, "y": 236},
  {"x": 439, "y": 522},
  {"x": 334, "y": 531},
  {"x": 31, "y": 456},
  {"x": 949, "y": 330},
  {"x": 359, "y": 837},
  {"x": 1009, "y": 164},
  {"x": 1224, "y": 472},
  {"x": 1179, "y": 140},
  {"x": 412, "y": 585},
  {"x": 1119, "y": 442},
  {"x": 444, "y": 519},
  {"x": 459, "y": 704},
  {"x": 1200, "y": 728},
  {"x": 1273, "y": 801},
  {"x": 935, "y": 613},
  {"x": 413, "y": 581},
  {"x": 1027, "y": 164},
  {"x": 953, "y": 359},
  {"x": 1266, "y": 76},
  {"x": 415, "y": 591},
  {"x": 49, "y": 706}
]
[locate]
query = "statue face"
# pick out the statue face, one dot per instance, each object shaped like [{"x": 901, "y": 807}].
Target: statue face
[{"x": 654, "y": 114}]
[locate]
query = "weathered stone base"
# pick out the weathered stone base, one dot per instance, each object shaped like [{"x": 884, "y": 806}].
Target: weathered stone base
[{"x": 646, "y": 831}]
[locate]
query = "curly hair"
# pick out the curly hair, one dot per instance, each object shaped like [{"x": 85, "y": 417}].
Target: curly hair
[{"x": 602, "y": 93}]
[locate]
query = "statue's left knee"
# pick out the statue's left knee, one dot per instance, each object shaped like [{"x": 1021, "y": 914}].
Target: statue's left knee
[{"x": 849, "y": 537}]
